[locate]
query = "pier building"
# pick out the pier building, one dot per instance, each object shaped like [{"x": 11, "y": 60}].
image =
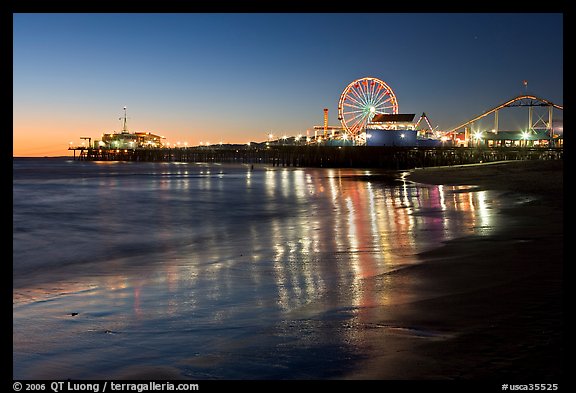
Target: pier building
[
  {"x": 398, "y": 129},
  {"x": 127, "y": 140}
]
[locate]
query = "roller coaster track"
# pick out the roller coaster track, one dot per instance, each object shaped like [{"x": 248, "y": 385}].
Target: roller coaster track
[{"x": 522, "y": 100}]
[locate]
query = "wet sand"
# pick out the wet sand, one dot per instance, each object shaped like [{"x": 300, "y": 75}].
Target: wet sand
[{"x": 489, "y": 307}]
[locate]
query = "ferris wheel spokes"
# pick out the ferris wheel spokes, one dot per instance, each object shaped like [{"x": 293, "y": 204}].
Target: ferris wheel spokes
[{"x": 361, "y": 100}]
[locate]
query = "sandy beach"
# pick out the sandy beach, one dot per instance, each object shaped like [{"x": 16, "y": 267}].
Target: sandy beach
[{"x": 489, "y": 307}]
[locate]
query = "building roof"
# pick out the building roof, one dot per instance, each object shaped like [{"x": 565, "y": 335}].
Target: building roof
[
  {"x": 392, "y": 117},
  {"x": 516, "y": 135},
  {"x": 149, "y": 134}
]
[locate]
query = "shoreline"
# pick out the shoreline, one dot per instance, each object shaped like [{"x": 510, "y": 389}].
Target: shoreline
[
  {"x": 493, "y": 304},
  {"x": 539, "y": 177}
]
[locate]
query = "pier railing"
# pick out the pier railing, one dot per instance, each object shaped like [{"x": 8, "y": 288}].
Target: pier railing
[{"x": 323, "y": 156}]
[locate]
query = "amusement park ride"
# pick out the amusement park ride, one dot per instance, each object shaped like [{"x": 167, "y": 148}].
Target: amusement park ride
[
  {"x": 361, "y": 106},
  {"x": 361, "y": 100},
  {"x": 364, "y": 99}
]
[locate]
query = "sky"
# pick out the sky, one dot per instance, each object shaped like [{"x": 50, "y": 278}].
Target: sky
[{"x": 236, "y": 77}]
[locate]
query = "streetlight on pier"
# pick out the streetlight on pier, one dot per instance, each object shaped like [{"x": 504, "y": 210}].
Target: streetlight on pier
[
  {"x": 525, "y": 137},
  {"x": 478, "y": 137}
]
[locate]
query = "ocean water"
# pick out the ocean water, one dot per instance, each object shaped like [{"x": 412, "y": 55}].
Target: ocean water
[{"x": 210, "y": 271}]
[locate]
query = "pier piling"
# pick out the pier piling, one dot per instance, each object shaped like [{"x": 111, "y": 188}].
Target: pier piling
[{"x": 323, "y": 156}]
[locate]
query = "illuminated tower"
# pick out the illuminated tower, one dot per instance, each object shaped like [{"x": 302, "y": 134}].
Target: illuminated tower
[
  {"x": 124, "y": 127},
  {"x": 325, "y": 122}
]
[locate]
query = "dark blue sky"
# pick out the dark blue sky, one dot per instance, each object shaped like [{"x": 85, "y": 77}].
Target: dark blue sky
[{"x": 236, "y": 77}]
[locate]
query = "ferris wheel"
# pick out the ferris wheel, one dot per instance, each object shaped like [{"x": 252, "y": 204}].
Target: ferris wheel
[{"x": 361, "y": 100}]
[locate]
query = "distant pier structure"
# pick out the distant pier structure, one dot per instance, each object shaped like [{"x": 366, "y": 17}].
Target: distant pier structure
[{"x": 123, "y": 139}]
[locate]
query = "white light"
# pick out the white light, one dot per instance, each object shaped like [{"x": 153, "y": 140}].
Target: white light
[
  {"x": 372, "y": 109},
  {"x": 402, "y": 135}
]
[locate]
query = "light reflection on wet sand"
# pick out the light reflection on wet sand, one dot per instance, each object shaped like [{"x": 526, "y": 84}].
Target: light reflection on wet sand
[{"x": 278, "y": 265}]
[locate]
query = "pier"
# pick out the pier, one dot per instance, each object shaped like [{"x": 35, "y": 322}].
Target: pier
[
  {"x": 322, "y": 156},
  {"x": 390, "y": 142}
]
